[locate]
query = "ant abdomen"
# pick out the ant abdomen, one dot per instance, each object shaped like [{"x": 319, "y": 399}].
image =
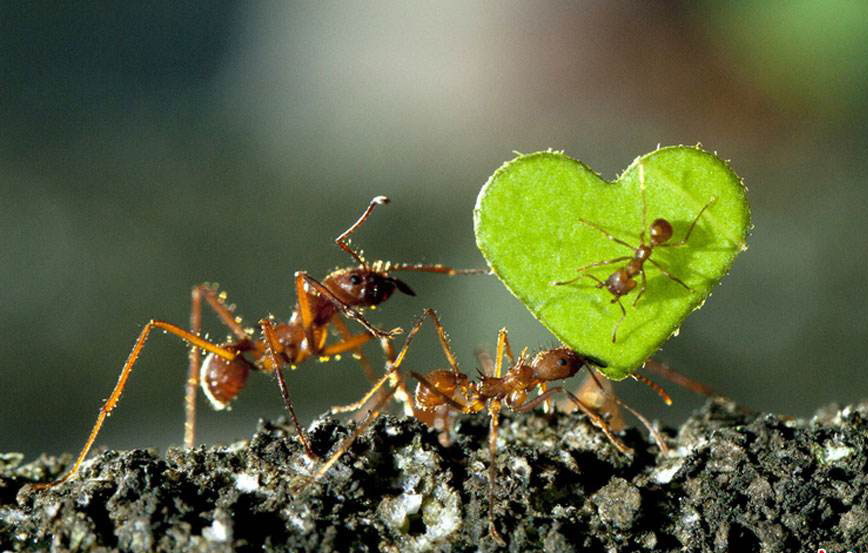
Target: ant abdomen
[
  {"x": 222, "y": 380},
  {"x": 445, "y": 384},
  {"x": 620, "y": 282}
]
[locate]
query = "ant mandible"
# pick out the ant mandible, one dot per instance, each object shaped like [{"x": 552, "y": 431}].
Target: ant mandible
[
  {"x": 442, "y": 390},
  {"x": 623, "y": 281},
  {"x": 224, "y": 372}
]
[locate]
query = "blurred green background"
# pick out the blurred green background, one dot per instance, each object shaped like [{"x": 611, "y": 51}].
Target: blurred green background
[{"x": 148, "y": 147}]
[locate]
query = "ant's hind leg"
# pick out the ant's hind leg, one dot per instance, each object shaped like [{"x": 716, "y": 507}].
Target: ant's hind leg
[
  {"x": 582, "y": 270},
  {"x": 621, "y": 320},
  {"x": 127, "y": 369},
  {"x": 641, "y": 288}
]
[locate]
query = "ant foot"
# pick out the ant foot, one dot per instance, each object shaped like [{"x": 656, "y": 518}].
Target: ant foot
[{"x": 495, "y": 535}]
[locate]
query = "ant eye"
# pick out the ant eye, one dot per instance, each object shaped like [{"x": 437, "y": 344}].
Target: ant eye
[
  {"x": 562, "y": 362},
  {"x": 355, "y": 279}
]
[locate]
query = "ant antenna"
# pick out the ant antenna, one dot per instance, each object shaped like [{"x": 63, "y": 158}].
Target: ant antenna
[
  {"x": 388, "y": 266},
  {"x": 342, "y": 241},
  {"x": 654, "y": 386},
  {"x": 661, "y": 443}
]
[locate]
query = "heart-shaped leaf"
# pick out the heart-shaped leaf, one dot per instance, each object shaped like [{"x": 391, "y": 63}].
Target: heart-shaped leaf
[{"x": 527, "y": 222}]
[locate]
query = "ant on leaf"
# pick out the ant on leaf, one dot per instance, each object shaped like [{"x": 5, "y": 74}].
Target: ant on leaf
[
  {"x": 622, "y": 281},
  {"x": 320, "y": 305}
]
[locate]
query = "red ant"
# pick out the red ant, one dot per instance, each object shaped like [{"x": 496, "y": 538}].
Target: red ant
[
  {"x": 319, "y": 305},
  {"x": 597, "y": 392},
  {"x": 623, "y": 281},
  {"x": 444, "y": 390}
]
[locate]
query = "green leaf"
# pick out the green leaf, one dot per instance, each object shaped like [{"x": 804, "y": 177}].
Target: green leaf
[{"x": 527, "y": 227}]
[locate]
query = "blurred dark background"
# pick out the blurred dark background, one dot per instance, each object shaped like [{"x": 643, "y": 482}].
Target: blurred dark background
[{"x": 148, "y": 147}]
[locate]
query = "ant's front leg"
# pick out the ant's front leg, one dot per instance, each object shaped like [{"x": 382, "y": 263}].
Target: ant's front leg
[
  {"x": 641, "y": 288},
  {"x": 596, "y": 419},
  {"x": 272, "y": 346},
  {"x": 393, "y": 373},
  {"x": 348, "y": 442},
  {"x": 127, "y": 369},
  {"x": 358, "y": 353},
  {"x": 621, "y": 320}
]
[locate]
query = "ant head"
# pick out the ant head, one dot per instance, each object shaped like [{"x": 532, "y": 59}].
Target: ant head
[
  {"x": 361, "y": 286},
  {"x": 661, "y": 231},
  {"x": 559, "y": 363}
]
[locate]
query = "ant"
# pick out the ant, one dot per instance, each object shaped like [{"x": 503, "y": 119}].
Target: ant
[
  {"x": 442, "y": 390},
  {"x": 597, "y": 392},
  {"x": 623, "y": 281},
  {"x": 225, "y": 369}
]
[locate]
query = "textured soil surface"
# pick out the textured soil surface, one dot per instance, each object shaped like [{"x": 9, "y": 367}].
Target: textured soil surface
[{"x": 732, "y": 482}]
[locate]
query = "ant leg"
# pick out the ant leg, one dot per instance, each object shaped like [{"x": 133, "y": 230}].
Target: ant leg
[
  {"x": 621, "y": 320},
  {"x": 608, "y": 235},
  {"x": 127, "y": 369},
  {"x": 365, "y": 398},
  {"x": 444, "y": 340},
  {"x": 502, "y": 347},
  {"x": 193, "y": 368},
  {"x": 641, "y": 288},
  {"x": 303, "y": 283},
  {"x": 591, "y": 266},
  {"x": 392, "y": 368},
  {"x": 358, "y": 354},
  {"x": 597, "y": 393},
  {"x": 548, "y": 404},
  {"x": 683, "y": 241},
  {"x": 271, "y": 348},
  {"x": 494, "y": 414},
  {"x": 351, "y": 343},
  {"x": 658, "y": 438},
  {"x": 610, "y": 395},
  {"x": 596, "y": 419},
  {"x": 653, "y": 385},
  {"x": 670, "y": 275},
  {"x": 226, "y": 315},
  {"x": 679, "y": 379},
  {"x": 348, "y": 442},
  {"x": 342, "y": 241}
]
